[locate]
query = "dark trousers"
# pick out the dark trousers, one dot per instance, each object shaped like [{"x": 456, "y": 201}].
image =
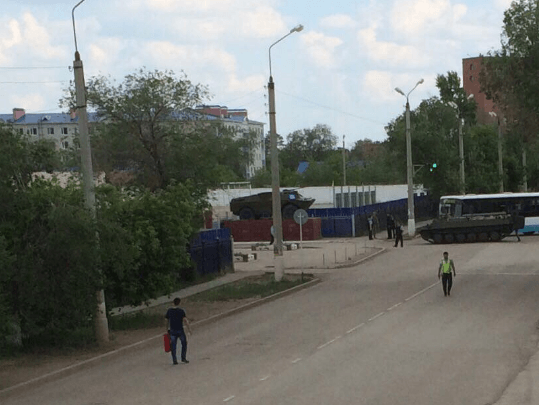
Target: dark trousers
[
  {"x": 389, "y": 232},
  {"x": 398, "y": 237},
  {"x": 447, "y": 283},
  {"x": 272, "y": 239},
  {"x": 174, "y": 335}
]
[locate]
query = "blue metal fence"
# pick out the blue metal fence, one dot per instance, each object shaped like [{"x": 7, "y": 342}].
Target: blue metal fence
[
  {"x": 211, "y": 251},
  {"x": 347, "y": 222}
]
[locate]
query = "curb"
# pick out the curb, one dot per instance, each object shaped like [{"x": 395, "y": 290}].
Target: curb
[
  {"x": 6, "y": 392},
  {"x": 342, "y": 266}
]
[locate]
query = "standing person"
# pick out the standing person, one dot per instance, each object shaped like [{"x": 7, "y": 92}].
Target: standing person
[
  {"x": 375, "y": 224},
  {"x": 370, "y": 226},
  {"x": 390, "y": 224},
  {"x": 175, "y": 319},
  {"x": 447, "y": 279},
  {"x": 398, "y": 234},
  {"x": 272, "y": 234}
]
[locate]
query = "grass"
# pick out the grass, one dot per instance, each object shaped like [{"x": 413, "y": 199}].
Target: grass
[
  {"x": 247, "y": 288},
  {"x": 250, "y": 287}
]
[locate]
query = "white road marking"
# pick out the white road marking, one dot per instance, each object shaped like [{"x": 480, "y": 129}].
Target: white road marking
[
  {"x": 376, "y": 316},
  {"x": 394, "y": 306},
  {"x": 229, "y": 398},
  {"x": 422, "y": 291},
  {"x": 328, "y": 343},
  {"x": 355, "y": 328},
  {"x": 265, "y": 378},
  {"x": 295, "y": 361}
]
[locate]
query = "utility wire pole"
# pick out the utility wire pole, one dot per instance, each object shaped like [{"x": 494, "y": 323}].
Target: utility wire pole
[{"x": 101, "y": 322}]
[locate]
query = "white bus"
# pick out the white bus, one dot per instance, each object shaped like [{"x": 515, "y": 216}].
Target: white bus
[{"x": 523, "y": 204}]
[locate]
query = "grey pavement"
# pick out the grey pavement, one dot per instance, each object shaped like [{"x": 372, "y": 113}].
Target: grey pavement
[{"x": 377, "y": 333}]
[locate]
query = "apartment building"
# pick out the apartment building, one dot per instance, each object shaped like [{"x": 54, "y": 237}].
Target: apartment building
[{"x": 62, "y": 128}]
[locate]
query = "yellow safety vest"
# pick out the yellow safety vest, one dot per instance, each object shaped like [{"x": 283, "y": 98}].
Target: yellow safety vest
[{"x": 446, "y": 266}]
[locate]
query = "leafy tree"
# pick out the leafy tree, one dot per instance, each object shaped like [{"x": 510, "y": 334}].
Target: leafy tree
[
  {"x": 308, "y": 144},
  {"x": 452, "y": 92}
]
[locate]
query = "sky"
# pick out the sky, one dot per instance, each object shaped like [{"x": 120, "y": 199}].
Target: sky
[{"x": 341, "y": 70}]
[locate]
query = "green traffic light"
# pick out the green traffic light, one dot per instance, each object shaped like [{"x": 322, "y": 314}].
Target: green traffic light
[{"x": 434, "y": 165}]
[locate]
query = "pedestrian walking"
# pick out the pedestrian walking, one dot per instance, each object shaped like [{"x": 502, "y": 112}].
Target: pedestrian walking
[
  {"x": 390, "y": 225},
  {"x": 446, "y": 265},
  {"x": 370, "y": 226},
  {"x": 175, "y": 320},
  {"x": 398, "y": 234}
]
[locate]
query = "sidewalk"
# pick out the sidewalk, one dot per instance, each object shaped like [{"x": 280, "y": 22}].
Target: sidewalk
[{"x": 186, "y": 292}]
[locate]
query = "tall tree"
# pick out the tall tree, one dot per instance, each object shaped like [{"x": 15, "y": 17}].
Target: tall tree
[{"x": 308, "y": 144}]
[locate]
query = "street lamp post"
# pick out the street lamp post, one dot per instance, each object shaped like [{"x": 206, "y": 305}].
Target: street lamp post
[
  {"x": 101, "y": 323},
  {"x": 409, "y": 164},
  {"x": 500, "y": 151},
  {"x": 275, "y": 182}
]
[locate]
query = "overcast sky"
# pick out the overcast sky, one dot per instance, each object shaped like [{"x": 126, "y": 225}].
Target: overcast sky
[{"x": 341, "y": 70}]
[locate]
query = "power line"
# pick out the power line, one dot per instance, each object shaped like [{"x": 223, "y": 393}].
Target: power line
[
  {"x": 33, "y": 67},
  {"x": 245, "y": 95},
  {"x": 61, "y": 81},
  {"x": 330, "y": 108}
]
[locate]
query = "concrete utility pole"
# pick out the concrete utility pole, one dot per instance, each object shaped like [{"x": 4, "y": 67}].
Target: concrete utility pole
[
  {"x": 500, "y": 151},
  {"x": 409, "y": 164},
  {"x": 275, "y": 181},
  {"x": 101, "y": 322},
  {"x": 461, "y": 155},
  {"x": 343, "y": 171},
  {"x": 524, "y": 166}
]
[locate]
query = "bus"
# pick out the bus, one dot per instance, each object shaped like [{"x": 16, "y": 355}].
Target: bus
[{"x": 523, "y": 204}]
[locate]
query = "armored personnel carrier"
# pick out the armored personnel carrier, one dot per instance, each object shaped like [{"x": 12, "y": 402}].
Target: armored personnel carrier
[
  {"x": 472, "y": 228},
  {"x": 260, "y": 205}
]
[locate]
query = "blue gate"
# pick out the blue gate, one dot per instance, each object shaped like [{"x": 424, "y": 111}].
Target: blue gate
[{"x": 211, "y": 252}]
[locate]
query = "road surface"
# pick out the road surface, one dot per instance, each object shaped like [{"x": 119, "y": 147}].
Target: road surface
[{"x": 378, "y": 333}]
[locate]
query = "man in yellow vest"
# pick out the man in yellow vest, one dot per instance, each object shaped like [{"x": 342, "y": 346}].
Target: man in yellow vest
[{"x": 445, "y": 269}]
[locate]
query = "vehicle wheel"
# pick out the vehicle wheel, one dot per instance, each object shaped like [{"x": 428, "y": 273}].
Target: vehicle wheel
[
  {"x": 438, "y": 238},
  {"x": 495, "y": 236},
  {"x": 461, "y": 238},
  {"x": 483, "y": 237},
  {"x": 247, "y": 213},
  {"x": 528, "y": 233},
  {"x": 449, "y": 238},
  {"x": 471, "y": 238},
  {"x": 288, "y": 211}
]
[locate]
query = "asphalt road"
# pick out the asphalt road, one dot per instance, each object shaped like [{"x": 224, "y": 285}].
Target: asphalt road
[{"x": 379, "y": 333}]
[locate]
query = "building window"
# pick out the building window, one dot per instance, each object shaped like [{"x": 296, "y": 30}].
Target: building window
[
  {"x": 21, "y": 131},
  {"x": 64, "y": 131},
  {"x": 472, "y": 66},
  {"x": 65, "y": 144},
  {"x": 471, "y": 78},
  {"x": 50, "y": 131},
  {"x": 31, "y": 131}
]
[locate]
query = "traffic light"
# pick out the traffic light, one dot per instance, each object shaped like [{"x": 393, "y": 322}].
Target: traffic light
[{"x": 433, "y": 166}]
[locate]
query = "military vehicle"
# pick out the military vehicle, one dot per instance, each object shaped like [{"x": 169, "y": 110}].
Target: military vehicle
[
  {"x": 472, "y": 228},
  {"x": 260, "y": 205}
]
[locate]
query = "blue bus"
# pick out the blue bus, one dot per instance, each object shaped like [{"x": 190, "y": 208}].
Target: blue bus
[{"x": 523, "y": 204}]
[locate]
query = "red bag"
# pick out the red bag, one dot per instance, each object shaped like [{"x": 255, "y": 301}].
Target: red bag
[{"x": 166, "y": 341}]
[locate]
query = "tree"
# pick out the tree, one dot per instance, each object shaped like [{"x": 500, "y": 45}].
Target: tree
[
  {"x": 452, "y": 92},
  {"x": 308, "y": 144}
]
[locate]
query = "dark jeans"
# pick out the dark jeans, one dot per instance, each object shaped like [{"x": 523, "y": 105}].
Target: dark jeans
[
  {"x": 389, "y": 232},
  {"x": 174, "y": 335},
  {"x": 399, "y": 237},
  {"x": 447, "y": 282}
]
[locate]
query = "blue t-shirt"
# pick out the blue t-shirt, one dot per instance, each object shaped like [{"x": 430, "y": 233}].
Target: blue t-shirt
[{"x": 175, "y": 317}]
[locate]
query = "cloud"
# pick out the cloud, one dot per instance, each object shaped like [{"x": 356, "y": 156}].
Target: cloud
[
  {"x": 211, "y": 18},
  {"x": 321, "y": 48},
  {"x": 389, "y": 52},
  {"x": 37, "y": 37},
  {"x": 30, "y": 101},
  {"x": 338, "y": 21},
  {"x": 381, "y": 84},
  {"x": 415, "y": 17},
  {"x": 250, "y": 83}
]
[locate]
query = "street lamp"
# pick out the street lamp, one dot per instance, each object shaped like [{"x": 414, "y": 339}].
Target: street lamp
[
  {"x": 101, "y": 323},
  {"x": 461, "y": 143},
  {"x": 500, "y": 157},
  {"x": 409, "y": 165},
  {"x": 275, "y": 186}
]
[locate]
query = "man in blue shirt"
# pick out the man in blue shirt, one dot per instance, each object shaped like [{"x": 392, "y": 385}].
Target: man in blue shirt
[{"x": 175, "y": 318}]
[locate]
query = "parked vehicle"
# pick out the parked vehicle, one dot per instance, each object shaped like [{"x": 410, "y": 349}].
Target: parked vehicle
[{"x": 260, "y": 205}]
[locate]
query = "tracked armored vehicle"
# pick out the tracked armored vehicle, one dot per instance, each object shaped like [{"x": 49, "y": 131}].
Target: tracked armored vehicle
[
  {"x": 472, "y": 228},
  {"x": 260, "y": 205}
]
